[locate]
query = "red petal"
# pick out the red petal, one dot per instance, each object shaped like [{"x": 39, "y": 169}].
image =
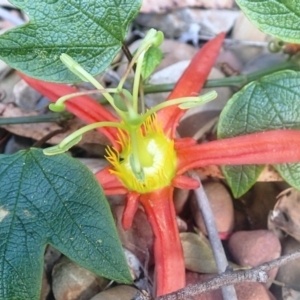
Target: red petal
[
  {"x": 191, "y": 82},
  {"x": 84, "y": 107},
  {"x": 169, "y": 262},
  {"x": 184, "y": 142},
  {"x": 185, "y": 182},
  {"x": 110, "y": 183},
  {"x": 130, "y": 209},
  {"x": 269, "y": 147}
]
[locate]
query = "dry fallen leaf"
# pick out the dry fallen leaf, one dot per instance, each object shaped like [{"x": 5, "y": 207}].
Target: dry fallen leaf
[
  {"x": 198, "y": 255},
  {"x": 163, "y": 6},
  {"x": 286, "y": 213}
]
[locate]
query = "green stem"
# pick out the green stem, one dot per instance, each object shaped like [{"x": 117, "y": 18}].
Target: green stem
[
  {"x": 234, "y": 81},
  {"x": 142, "y": 98},
  {"x": 35, "y": 119}
]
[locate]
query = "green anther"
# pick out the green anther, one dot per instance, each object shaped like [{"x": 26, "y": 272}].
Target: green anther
[
  {"x": 153, "y": 38},
  {"x": 59, "y": 149},
  {"x": 199, "y": 101},
  {"x": 159, "y": 38},
  {"x": 183, "y": 103},
  {"x": 57, "y": 107}
]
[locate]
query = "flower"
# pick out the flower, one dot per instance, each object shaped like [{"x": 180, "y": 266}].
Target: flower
[{"x": 147, "y": 160}]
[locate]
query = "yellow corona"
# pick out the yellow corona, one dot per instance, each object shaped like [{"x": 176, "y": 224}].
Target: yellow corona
[{"x": 156, "y": 156}]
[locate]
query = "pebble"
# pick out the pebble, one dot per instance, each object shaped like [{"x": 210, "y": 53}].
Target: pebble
[
  {"x": 252, "y": 248},
  {"x": 72, "y": 282},
  {"x": 45, "y": 287},
  {"x": 120, "y": 292},
  {"x": 25, "y": 96},
  {"x": 222, "y": 206},
  {"x": 289, "y": 273}
]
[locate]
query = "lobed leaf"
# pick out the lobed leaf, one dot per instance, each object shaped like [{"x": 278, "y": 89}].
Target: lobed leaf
[
  {"x": 90, "y": 31},
  {"x": 52, "y": 200}
]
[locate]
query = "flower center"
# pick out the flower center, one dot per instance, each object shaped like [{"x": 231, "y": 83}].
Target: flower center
[{"x": 156, "y": 156}]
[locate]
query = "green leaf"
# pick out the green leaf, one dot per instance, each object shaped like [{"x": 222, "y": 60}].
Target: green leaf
[
  {"x": 52, "y": 200},
  {"x": 280, "y": 18},
  {"x": 273, "y": 102},
  {"x": 151, "y": 60},
  {"x": 90, "y": 31},
  {"x": 291, "y": 173},
  {"x": 241, "y": 178}
]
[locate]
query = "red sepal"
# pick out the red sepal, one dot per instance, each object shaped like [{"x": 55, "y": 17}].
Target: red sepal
[{"x": 131, "y": 207}]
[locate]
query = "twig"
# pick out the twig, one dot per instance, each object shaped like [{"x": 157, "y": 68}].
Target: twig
[
  {"x": 47, "y": 137},
  {"x": 53, "y": 117},
  {"x": 127, "y": 52},
  {"x": 217, "y": 247},
  {"x": 6, "y": 15},
  {"x": 257, "y": 274},
  {"x": 233, "y": 81},
  {"x": 232, "y": 42}
]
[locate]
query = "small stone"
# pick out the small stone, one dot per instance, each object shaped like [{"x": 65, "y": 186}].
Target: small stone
[
  {"x": 289, "y": 273},
  {"x": 72, "y": 282},
  {"x": 25, "y": 96},
  {"x": 252, "y": 248},
  {"x": 120, "y": 292},
  {"x": 51, "y": 257},
  {"x": 45, "y": 287},
  {"x": 221, "y": 204}
]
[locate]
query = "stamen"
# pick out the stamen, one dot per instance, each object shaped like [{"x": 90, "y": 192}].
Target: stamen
[{"x": 76, "y": 136}]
